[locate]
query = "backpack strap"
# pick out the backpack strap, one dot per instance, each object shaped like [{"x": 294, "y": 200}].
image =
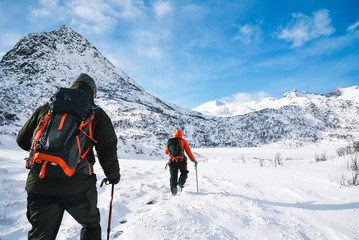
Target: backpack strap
[
  {"x": 83, "y": 123},
  {"x": 42, "y": 126},
  {"x": 42, "y": 171},
  {"x": 175, "y": 159},
  {"x": 54, "y": 160},
  {"x": 89, "y": 122},
  {"x": 62, "y": 121}
]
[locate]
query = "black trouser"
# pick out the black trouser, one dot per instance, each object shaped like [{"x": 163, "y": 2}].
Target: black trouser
[
  {"x": 45, "y": 214},
  {"x": 174, "y": 181}
]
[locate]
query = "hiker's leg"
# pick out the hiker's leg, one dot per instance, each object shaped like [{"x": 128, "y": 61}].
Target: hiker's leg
[
  {"x": 83, "y": 208},
  {"x": 45, "y": 216},
  {"x": 184, "y": 172},
  {"x": 174, "y": 176}
]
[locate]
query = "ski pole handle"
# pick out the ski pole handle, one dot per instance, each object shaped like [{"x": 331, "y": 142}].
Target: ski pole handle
[{"x": 105, "y": 181}]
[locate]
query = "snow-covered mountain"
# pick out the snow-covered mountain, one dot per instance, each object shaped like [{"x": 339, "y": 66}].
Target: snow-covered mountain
[
  {"x": 222, "y": 108},
  {"x": 42, "y": 62}
]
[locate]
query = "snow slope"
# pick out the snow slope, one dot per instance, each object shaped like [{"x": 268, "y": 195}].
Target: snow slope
[{"x": 237, "y": 198}]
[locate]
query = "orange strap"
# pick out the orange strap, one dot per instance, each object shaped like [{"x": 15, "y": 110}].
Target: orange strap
[
  {"x": 62, "y": 121},
  {"x": 42, "y": 171},
  {"x": 42, "y": 126},
  {"x": 83, "y": 155},
  {"x": 88, "y": 136},
  {"x": 90, "y": 132},
  {"x": 176, "y": 158},
  {"x": 83, "y": 123},
  {"x": 53, "y": 159},
  {"x": 78, "y": 145}
]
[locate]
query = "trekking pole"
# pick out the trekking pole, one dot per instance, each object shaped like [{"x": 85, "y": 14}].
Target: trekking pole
[
  {"x": 105, "y": 180},
  {"x": 196, "y": 177}
]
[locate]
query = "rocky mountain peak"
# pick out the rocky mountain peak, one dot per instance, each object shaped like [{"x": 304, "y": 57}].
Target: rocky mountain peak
[
  {"x": 336, "y": 93},
  {"x": 40, "y": 63},
  {"x": 37, "y": 44},
  {"x": 297, "y": 93}
]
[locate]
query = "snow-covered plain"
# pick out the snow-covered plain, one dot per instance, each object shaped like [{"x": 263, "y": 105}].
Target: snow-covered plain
[{"x": 237, "y": 198}]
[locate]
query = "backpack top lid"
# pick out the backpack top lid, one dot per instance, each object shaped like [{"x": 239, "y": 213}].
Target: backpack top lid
[{"x": 74, "y": 101}]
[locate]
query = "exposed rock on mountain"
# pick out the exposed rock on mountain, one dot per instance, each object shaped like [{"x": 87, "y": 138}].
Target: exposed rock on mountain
[{"x": 40, "y": 63}]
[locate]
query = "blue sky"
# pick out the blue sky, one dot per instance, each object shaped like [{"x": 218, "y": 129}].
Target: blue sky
[{"x": 190, "y": 52}]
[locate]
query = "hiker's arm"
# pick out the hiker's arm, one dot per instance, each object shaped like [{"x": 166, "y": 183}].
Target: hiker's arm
[
  {"x": 106, "y": 146},
  {"x": 24, "y": 136},
  {"x": 188, "y": 151}
]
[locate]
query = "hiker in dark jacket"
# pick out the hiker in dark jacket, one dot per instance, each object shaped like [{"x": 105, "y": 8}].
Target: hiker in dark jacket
[
  {"x": 48, "y": 198},
  {"x": 176, "y": 163}
]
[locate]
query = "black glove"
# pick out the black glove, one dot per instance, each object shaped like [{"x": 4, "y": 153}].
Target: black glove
[
  {"x": 108, "y": 181},
  {"x": 114, "y": 180}
]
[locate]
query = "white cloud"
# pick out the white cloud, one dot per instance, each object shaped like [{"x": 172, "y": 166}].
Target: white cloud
[
  {"x": 162, "y": 8},
  {"x": 97, "y": 16},
  {"x": 248, "y": 33},
  {"x": 48, "y": 7},
  {"x": 353, "y": 27},
  {"x": 129, "y": 9},
  {"x": 49, "y": 2},
  {"x": 148, "y": 43},
  {"x": 93, "y": 15},
  {"x": 303, "y": 28},
  {"x": 294, "y": 59},
  {"x": 42, "y": 12},
  {"x": 245, "y": 97}
]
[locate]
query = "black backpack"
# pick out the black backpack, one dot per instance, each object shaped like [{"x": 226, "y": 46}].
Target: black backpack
[
  {"x": 57, "y": 147},
  {"x": 175, "y": 149}
]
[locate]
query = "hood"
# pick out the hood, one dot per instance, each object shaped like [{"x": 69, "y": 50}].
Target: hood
[
  {"x": 85, "y": 87},
  {"x": 86, "y": 83},
  {"x": 178, "y": 134}
]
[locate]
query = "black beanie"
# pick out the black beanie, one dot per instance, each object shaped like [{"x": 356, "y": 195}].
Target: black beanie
[{"x": 83, "y": 77}]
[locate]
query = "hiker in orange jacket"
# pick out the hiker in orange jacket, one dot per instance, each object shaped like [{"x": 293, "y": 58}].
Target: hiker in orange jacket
[{"x": 176, "y": 146}]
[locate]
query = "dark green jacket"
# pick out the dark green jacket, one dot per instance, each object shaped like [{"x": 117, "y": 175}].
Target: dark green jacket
[{"x": 106, "y": 148}]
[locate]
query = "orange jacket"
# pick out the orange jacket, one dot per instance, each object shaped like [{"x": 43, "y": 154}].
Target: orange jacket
[{"x": 184, "y": 144}]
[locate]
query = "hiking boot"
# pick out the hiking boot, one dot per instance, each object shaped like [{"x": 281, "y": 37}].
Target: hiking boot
[
  {"x": 180, "y": 187},
  {"x": 174, "y": 191}
]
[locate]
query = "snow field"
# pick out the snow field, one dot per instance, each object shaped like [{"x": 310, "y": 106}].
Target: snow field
[{"x": 237, "y": 199}]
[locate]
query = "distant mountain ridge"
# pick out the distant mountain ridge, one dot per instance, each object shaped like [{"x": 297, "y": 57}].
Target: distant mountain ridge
[
  {"x": 228, "y": 109},
  {"x": 40, "y": 63}
]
